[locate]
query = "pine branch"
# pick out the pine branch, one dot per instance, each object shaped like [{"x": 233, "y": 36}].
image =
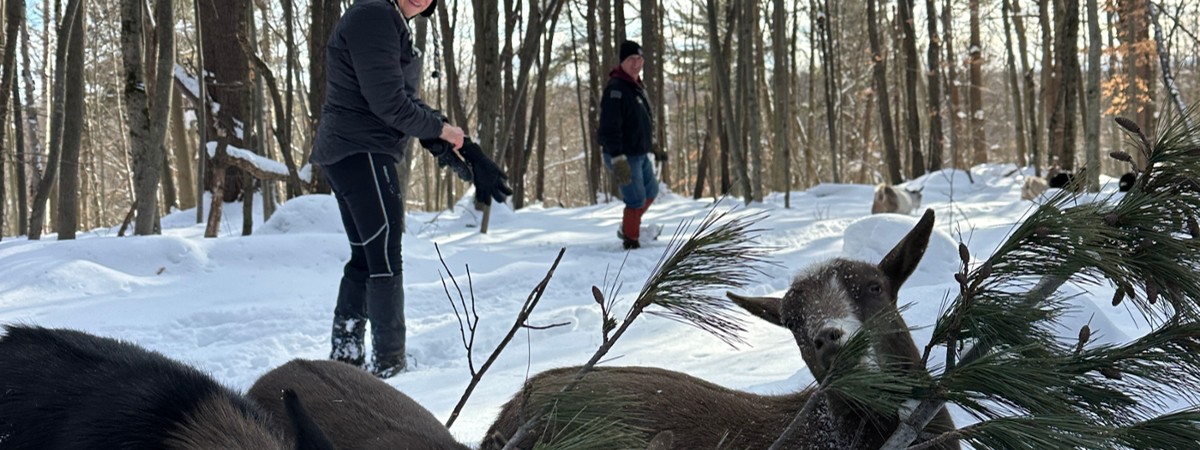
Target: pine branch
[{"x": 1005, "y": 361}]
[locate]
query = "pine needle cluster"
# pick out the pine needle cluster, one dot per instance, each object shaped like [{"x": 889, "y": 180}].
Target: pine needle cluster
[{"x": 1006, "y": 363}]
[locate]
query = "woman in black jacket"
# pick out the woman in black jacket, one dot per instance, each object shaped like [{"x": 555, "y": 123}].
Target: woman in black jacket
[{"x": 371, "y": 112}]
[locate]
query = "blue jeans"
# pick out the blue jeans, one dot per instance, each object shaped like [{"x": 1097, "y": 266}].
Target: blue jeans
[{"x": 644, "y": 184}]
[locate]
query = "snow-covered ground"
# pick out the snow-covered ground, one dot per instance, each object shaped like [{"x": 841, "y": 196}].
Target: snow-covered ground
[{"x": 237, "y": 306}]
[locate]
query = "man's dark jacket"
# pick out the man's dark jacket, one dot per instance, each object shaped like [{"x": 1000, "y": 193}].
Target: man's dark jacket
[
  {"x": 626, "y": 123},
  {"x": 371, "y": 104}
]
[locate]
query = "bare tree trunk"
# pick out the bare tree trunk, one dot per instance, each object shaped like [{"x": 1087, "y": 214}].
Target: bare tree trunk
[
  {"x": 456, "y": 111},
  {"x": 487, "y": 74},
  {"x": 810, "y": 174},
  {"x": 782, "y": 87},
  {"x": 956, "y": 141},
  {"x": 910, "y": 86},
  {"x": 1049, "y": 88},
  {"x": 1062, "y": 122},
  {"x": 147, "y": 161},
  {"x": 724, "y": 87},
  {"x": 325, "y": 15},
  {"x": 37, "y": 216},
  {"x": 224, "y": 27},
  {"x": 1138, "y": 51},
  {"x": 831, "y": 89},
  {"x": 595, "y": 69},
  {"x": 1030, "y": 102},
  {"x": 1164, "y": 59},
  {"x": 1091, "y": 120},
  {"x": 652, "y": 44},
  {"x": 975, "y": 100},
  {"x": 1015, "y": 85},
  {"x": 25, "y": 154},
  {"x": 14, "y": 16},
  {"x": 72, "y": 140},
  {"x": 285, "y": 148},
  {"x": 750, "y": 115},
  {"x": 933, "y": 107},
  {"x": 891, "y": 152}
]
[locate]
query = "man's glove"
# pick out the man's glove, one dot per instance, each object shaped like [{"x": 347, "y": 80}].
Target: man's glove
[
  {"x": 661, "y": 156},
  {"x": 622, "y": 173},
  {"x": 444, "y": 153},
  {"x": 490, "y": 182}
]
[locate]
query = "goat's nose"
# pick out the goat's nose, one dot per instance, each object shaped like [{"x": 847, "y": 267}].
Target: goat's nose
[{"x": 828, "y": 339}]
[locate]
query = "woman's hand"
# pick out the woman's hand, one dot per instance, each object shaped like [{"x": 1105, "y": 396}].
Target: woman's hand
[{"x": 453, "y": 135}]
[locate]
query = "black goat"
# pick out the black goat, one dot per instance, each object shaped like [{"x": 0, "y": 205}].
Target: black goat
[{"x": 65, "y": 389}]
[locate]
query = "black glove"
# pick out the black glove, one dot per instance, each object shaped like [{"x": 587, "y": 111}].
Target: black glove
[
  {"x": 490, "y": 182},
  {"x": 622, "y": 173},
  {"x": 444, "y": 152},
  {"x": 661, "y": 156}
]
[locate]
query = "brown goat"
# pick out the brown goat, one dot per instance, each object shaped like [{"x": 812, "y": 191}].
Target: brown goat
[
  {"x": 824, "y": 306},
  {"x": 354, "y": 408},
  {"x": 890, "y": 199}
]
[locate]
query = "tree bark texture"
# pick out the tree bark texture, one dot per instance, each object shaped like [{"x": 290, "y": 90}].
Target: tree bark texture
[
  {"x": 1091, "y": 118},
  {"x": 1138, "y": 52},
  {"x": 1015, "y": 87},
  {"x": 14, "y": 13},
  {"x": 1062, "y": 122},
  {"x": 891, "y": 152},
  {"x": 72, "y": 140},
  {"x": 933, "y": 108},
  {"x": 911, "y": 77},
  {"x": 46, "y": 183},
  {"x": 975, "y": 97},
  {"x": 782, "y": 96}
]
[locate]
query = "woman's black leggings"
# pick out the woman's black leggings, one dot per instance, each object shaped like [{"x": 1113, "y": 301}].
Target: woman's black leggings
[{"x": 368, "y": 196}]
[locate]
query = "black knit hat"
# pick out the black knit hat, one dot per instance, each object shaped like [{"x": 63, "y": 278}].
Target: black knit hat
[
  {"x": 630, "y": 48},
  {"x": 429, "y": 10}
]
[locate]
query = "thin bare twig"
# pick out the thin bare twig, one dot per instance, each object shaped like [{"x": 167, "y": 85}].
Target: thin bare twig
[{"x": 531, "y": 302}]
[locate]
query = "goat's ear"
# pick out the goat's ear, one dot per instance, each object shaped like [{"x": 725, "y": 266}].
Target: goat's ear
[
  {"x": 308, "y": 434},
  {"x": 766, "y": 308},
  {"x": 903, "y": 259}
]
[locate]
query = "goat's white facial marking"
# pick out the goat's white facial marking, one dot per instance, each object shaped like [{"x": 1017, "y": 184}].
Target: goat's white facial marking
[{"x": 848, "y": 326}]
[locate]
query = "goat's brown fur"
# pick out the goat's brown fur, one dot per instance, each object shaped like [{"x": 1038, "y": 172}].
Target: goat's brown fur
[
  {"x": 702, "y": 415},
  {"x": 354, "y": 408}
]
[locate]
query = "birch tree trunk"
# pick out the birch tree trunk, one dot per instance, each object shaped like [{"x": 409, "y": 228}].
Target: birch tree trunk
[{"x": 146, "y": 160}]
